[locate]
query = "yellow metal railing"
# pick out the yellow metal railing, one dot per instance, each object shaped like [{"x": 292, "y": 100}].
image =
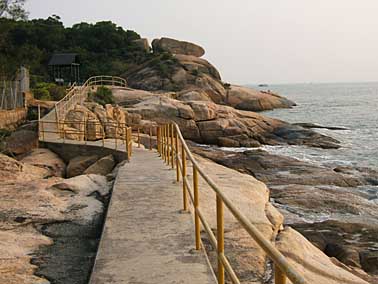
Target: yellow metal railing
[
  {"x": 87, "y": 131},
  {"x": 169, "y": 142},
  {"x": 78, "y": 94}
]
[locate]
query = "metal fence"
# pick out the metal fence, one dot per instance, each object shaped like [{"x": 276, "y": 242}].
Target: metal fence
[
  {"x": 170, "y": 140},
  {"x": 12, "y": 92}
]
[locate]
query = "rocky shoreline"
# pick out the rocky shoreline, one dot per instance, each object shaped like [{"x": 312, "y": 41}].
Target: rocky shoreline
[
  {"x": 52, "y": 211},
  {"x": 326, "y": 205},
  {"x": 51, "y": 225}
]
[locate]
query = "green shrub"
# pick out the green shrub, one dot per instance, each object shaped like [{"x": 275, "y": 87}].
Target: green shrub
[
  {"x": 42, "y": 94},
  {"x": 102, "y": 96},
  {"x": 57, "y": 92},
  {"x": 164, "y": 63},
  {"x": 48, "y": 91},
  {"x": 32, "y": 114}
]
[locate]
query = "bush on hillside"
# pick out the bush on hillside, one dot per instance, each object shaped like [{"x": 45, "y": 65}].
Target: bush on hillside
[
  {"x": 102, "y": 96},
  {"x": 48, "y": 92}
]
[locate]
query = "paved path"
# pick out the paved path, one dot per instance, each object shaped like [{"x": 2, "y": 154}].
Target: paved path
[{"x": 146, "y": 237}]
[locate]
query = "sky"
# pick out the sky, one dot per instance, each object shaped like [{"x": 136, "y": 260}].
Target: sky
[{"x": 250, "y": 41}]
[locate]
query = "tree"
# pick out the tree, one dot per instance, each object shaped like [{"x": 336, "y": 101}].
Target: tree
[{"x": 13, "y": 9}]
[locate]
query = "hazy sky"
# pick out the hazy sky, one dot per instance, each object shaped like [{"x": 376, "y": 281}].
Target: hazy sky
[{"x": 250, "y": 41}]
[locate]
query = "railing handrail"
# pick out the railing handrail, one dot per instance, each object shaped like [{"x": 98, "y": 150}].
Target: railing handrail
[
  {"x": 283, "y": 268},
  {"x": 76, "y": 94},
  {"x": 62, "y": 132}
]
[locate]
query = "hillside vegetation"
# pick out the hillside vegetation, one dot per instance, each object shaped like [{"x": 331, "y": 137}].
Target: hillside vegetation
[{"x": 103, "y": 48}]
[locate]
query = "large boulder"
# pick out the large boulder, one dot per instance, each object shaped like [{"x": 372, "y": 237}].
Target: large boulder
[
  {"x": 245, "y": 98},
  {"x": 13, "y": 170},
  {"x": 177, "y": 47},
  {"x": 251, "y": 197},
  {"x": 186, "y": 73},
  {"x": 103, "y": 166},
  {"x": 196, "y": 79},
  {"x": 203, "y": 110},
  {"x": 86, "y": 123},
  {"x": 207, "y": 122},
  {"x": 195, "y": 95},
  {"x": 79, "y": 164},
  {"x": 303, "y": 255},
  {"x": 94, "y": 129},
  {"x": 21, "y": 141},
  {"x": 182, "y": 70},
  {"x": 197, "y": 65},
  {"x": 46, "y": 159},
  {"x": 126, "y": 97},
  {"x": 143, "y": 44}
]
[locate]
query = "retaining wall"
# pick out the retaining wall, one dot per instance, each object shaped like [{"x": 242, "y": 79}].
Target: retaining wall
[
  {"x": 10, "y": 119},
  {"x": 69, "y": 151}
]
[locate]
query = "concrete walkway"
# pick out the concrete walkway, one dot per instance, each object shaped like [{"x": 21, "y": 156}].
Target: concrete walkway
[{"x": 146, "y": 237}]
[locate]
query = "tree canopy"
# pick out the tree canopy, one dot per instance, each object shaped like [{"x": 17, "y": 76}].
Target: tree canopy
[
  {"x": 103, "y": 48},
  {"x": 13, "y": 9}
]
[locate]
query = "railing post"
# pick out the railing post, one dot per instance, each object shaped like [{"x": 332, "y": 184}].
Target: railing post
[
  {"x": 138, "y": 138},
  {"x": 150, "y": 138},
  {"x": 85, "y": 134},
  {"x": 279, "y": 276},
  {"x": 163, "y": 142},
  {"x": 131, "y": 141},
  {"x": 116, "y": 134},
  {"x": 64, "y": 132},
  {"x": 158, "y": 140},
  {"x": 184, "y": 193},
  {"x": 172, "y": 148},
  {"x": 168, "y": 145},
  {"x": 220, "y": 238},
  {"x": 177, "y": 155},
  {"x": 57, "y": 117},
  {"x": 103, "y": 134},
  {"x": 126, "y": 137},
  {"x": 43, "y": 131},
  {"x": 39, "y": 121},
  {"x": 196, "y": 204}
]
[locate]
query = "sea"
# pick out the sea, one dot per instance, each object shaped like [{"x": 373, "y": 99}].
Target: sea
[{"x": 353, "y": 106}]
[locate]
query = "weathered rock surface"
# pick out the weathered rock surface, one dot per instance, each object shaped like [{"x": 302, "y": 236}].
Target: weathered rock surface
[
  {"x": 280, "y": 170},
  {"x": 95, "y": 121},
  {"x": 103, "y": 166},
  {"x": 207, "y": 122},
  {"x": 142, "y": 43},
  {"x": 29, "y": 203},
  {"x": 21, "y": 141},
  {"x": 13, "y": 170},
  {"x": 312, "y": 262},
  {"x": 331, "y": 207},
  {"x": 314, "y": 125},
  {"x": 251, "y": 197},
  {"x": 177, "y": 47},
  {"x": 78, "y": 165},
  {"x": 195, "y": 78},
  {"x": 195, "y": 95},
  {"x": 46, "y": 159},
  {"x": 130, "y": 96},
  {"x": 86, "y": 122},
  {"x": 15, "y": 247},
  {"x": 245, "y": 98}
]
